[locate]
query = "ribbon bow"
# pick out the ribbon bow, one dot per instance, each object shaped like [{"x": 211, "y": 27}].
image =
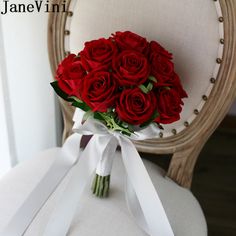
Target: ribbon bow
[{"x": 142, "y": 199}]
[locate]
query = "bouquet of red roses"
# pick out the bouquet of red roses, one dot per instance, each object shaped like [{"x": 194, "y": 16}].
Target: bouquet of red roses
[{"x": 124, "y": 81}]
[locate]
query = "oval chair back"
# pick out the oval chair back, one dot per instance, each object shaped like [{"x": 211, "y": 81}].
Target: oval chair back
[{"x": 201, "y": 36}]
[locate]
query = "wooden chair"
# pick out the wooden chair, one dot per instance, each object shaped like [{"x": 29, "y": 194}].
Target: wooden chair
[{"x": 201, "y": 35}]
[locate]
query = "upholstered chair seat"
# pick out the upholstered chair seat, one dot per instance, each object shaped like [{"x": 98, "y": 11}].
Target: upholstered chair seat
[{"x": 106, "y": 217}]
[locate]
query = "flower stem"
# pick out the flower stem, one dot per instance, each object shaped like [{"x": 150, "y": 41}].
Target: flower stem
[{"x": 100, "y": 186}]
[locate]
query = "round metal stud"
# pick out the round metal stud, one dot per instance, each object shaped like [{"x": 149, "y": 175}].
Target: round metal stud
[
  {"x": 67, "y": 32},
  {"x": 174, "y": 131},
  {"x": 219, "y": 60},
  {"x": 204, "y": 97},
  {"x": 161, "y": 135},
  {"x": 70, "y": 13},
  {"x": 186, "y": 124},
  {"x": 196, "y": 112},
  {"x": 213, "y": 80},
  {"x": 221, "y": 19},
  {"x": 222, "y": 41}
]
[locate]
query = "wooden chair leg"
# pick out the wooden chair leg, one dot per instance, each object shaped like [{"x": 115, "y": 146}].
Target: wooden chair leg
[{"x": 182, "y": 164}]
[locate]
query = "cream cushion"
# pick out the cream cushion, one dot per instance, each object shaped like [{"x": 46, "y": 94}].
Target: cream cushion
[
  {"x": 106, "y": 217},
  {"x": 189, "y": 29}
]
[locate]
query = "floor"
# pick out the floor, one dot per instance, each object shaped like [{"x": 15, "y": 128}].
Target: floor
[{"x": 214, "y": 182}]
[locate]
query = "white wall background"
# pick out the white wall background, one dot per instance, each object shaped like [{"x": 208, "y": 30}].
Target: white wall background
[
  {"x": 5, "y": 157},
  {"x": 26, "y": 98}
]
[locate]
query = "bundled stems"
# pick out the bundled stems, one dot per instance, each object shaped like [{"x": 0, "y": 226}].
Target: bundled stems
[{"x": 101, "y": 185}]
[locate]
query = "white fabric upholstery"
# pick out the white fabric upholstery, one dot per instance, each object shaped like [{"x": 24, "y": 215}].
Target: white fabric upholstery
[
  {"x": 188, "y": 29},
  {"x": 106, "y": 217}
]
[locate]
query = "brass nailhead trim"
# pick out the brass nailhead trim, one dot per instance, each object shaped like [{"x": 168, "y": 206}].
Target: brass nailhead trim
[
  {"x": 222, "y": 41},
  {"x": 174, "y": 131},
  {"x": 161, "y": 135},
  {"x": 218, "y": 60},
  {"x": 221, "y": 19},
  {"x": 196, "y": 112},
  {"x": 70, "y": 13},
  {"x": 213, "y": 80},
  {"x": 67, "y": 32},
  {"x": 204, "y": 97},
  {"x": 186, "y": 124}
]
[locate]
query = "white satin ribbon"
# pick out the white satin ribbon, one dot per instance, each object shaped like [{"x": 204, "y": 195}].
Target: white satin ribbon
[
  {"x": 65, "y": 158},
  {"x": 142, "y": 199},
  {"x": 63, "y": 214},
  {"x": 148, "y": 208}
]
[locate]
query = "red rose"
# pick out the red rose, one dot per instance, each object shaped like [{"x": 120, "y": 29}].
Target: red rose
[
  {"x": 176, "y": 84},
  {"x": 156, "y": 49},
  {"x": 97, "y": 54},
  {"x": 136, "y": 107},
  {"x": 99, "y": 90},
  {"x": 161, "y": 66},
  {"x": 169, "y": 106},
  {"x": 131, "y": 68},
  {"x": 128, "y": 40},
  {"x": 173, "y": 82},
  {"x": 69, "y": 75}
]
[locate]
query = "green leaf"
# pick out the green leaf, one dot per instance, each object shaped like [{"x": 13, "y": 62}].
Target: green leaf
[
  {"x": 83, "y": 106},
  {"x": 152, "y": 78},
  {"x": 98, "y": 116},
  {"x": 143, "y": 88},
  {"x": 155, "y": 115},
  {"x": 59, "y": 92},
  {"x": 150, "y": 87},
  {"x": 76, "y": 102},
  {"x": 75, "y": 99},
  {"x": 146, "y": 89},
  {"x": 167, "y": 88}
]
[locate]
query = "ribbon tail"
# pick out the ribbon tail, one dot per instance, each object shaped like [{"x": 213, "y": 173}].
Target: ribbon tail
[
  {"x": 150, "y": 203},
  {"x": 65, "y": 158},
  {"x": 134, "y": 206},
  {"x": 62, "y": 216}
]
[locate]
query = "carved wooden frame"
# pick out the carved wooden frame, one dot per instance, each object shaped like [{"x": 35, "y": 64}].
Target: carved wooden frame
[{"x": 187, "y": 144}]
